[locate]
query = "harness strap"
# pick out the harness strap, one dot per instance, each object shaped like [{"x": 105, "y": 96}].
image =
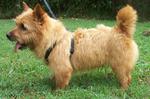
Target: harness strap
[{"x": 49, "y": 50}]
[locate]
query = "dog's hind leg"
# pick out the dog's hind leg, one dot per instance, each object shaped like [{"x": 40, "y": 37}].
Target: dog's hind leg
[{"x": 123, "y": 73}]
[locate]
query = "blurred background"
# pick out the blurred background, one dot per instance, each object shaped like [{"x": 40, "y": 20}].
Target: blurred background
[{"x": 97, "y": 9}]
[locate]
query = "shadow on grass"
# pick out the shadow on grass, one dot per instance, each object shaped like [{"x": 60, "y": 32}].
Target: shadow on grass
[
  {"x": 97, "y": 79},
  {"x": 79, "y": 80}
]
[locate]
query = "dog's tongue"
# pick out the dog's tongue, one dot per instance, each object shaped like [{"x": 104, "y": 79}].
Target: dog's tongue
[{"x": 18, "y": 46}]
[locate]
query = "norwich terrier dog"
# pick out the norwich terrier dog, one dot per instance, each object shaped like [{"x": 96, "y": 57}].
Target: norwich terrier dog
[{"x": 65, "y": 52}]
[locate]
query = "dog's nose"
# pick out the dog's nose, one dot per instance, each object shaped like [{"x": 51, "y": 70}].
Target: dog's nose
[{"x": 8, "y": 35}]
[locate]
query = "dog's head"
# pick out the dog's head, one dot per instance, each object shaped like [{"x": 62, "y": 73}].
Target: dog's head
[{"x": 29, "y": 26}]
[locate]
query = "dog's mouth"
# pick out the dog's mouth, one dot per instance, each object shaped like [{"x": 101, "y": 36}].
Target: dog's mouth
[{"x": 19, "y": 46}]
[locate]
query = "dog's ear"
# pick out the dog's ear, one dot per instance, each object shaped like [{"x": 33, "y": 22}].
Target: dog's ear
[
  {"x": 25, "y": 6},
  {"x": 38, "y": 12}
]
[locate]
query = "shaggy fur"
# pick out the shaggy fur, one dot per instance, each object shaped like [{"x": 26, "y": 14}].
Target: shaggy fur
[{"x": 92, "y": 47}]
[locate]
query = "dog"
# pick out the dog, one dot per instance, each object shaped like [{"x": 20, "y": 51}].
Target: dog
[{"x": 66, "y": 52}]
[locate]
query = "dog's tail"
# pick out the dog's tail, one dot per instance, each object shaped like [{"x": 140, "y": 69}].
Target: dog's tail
[{"x": 126, "y": 20}]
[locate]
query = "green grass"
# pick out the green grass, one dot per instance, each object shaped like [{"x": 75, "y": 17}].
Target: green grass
[{"x": 22, "y": 75}]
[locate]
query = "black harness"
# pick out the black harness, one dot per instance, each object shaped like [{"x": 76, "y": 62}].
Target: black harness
[
  {"x": 49, "y": 50},
  {"x": 50, "y": 13}
]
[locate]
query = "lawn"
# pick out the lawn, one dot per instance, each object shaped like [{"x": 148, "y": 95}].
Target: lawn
[{"x": 22, "y": 75}]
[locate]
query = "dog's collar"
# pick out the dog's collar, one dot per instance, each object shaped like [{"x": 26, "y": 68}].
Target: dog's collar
[{"x": 49, "y": 50}]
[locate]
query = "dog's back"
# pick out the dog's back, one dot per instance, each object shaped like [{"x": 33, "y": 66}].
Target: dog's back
[{"x": 105, "y": 45}]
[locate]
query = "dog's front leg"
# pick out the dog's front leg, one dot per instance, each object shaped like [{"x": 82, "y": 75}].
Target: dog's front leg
[{"x": 62, "y": 76}]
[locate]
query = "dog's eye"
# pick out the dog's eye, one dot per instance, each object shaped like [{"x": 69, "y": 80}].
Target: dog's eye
[{"x": 23, "y": 27}]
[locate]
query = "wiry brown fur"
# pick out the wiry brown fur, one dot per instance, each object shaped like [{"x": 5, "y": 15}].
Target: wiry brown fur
[{"x": 92, "y": 48}]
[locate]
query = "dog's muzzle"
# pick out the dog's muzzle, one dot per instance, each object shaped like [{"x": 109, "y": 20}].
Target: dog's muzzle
[
  {"x": 8, "y": 36},
  {"x": 18, "y": 44}
]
